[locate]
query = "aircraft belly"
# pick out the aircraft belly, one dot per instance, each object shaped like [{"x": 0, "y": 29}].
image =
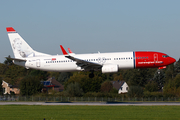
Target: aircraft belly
[
  {"x": 60, "y": 67},
  {"x": 126, "y": 64}
]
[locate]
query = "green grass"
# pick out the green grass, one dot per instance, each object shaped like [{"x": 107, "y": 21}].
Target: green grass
[{"x": 38, "y": 112}]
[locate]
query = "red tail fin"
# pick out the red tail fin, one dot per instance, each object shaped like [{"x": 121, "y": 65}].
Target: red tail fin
[{"x": 10, "y": 29}]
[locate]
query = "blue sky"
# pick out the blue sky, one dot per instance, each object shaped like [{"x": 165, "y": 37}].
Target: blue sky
[{"x": 92, "y": 26}]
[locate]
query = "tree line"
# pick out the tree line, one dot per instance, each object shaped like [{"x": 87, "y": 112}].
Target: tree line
[{"x": 142, "y": 82}]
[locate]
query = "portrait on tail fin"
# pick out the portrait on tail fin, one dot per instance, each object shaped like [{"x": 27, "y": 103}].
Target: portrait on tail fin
[{"x": 21, "y": 49}]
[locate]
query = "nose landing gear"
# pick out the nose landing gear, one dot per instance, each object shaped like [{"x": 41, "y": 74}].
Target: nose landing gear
[{"x": 91, "y": 75}]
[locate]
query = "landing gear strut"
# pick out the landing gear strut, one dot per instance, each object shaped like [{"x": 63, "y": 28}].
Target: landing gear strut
[{"x": 91, "y": 75}]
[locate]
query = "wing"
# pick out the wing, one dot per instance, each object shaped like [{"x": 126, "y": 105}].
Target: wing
[{"x": 86, "y": 65}]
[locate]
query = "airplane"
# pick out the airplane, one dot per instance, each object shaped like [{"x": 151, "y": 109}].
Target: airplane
[{"x": 68, "y": 62}]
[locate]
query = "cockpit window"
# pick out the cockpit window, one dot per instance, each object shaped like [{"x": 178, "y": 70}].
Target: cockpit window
[{"x": 165, "y": 56}]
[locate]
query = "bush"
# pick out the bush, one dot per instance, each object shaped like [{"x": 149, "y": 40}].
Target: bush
[
  {"x": 106, "y": 87},
  {"x": 74, "y": 90},
  {"x": 30, "y": 85},
  {"x": 148, "y": 94},
  {"x": 135, "y": 91},
  {"x": 151, "y": 86}
]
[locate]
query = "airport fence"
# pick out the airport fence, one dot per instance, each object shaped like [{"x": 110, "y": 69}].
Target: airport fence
[{"x": 87, "y": 99}]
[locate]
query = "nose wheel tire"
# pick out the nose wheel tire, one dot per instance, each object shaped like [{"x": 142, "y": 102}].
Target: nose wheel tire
[{"x": 91, "y": 75}]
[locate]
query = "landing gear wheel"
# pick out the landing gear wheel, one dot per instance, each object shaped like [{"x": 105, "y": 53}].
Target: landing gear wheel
[{"x": 91, "y": 75}]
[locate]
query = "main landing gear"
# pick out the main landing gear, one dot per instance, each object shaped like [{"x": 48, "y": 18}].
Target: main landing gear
[{"x": 91, "y": 75}]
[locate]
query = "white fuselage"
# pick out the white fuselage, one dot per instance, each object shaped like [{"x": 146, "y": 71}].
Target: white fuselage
[
  {"x": 60, "y": 63},
  {"x": 106, "y": 62}
]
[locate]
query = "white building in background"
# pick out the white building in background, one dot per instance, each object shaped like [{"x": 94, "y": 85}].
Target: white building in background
[{"x": 121, "y": 86}]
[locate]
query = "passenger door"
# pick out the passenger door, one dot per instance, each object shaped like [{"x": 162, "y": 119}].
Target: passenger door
[{"x": 38, "y": 63}]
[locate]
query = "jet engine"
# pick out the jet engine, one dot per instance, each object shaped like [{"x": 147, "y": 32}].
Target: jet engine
[{"x": 109, "y": 68}]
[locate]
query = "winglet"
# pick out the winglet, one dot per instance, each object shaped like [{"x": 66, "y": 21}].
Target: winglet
[
  {"x": 10, "y": 29},
  {"x": 63, "y": 50},
  {"x": 70, "y": 50}
]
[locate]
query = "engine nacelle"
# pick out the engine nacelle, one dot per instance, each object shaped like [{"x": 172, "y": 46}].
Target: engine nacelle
[{"x": 109, "y": 68}]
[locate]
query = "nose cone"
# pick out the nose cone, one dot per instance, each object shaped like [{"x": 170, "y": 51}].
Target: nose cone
[{"x": 172, "y": 60}]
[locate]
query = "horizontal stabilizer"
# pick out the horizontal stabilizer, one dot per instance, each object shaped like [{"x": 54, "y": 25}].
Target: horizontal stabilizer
[{"x": 15, "y": 59}]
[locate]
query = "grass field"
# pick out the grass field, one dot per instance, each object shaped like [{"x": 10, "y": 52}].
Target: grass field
[{"x": 38, "y": 112}]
